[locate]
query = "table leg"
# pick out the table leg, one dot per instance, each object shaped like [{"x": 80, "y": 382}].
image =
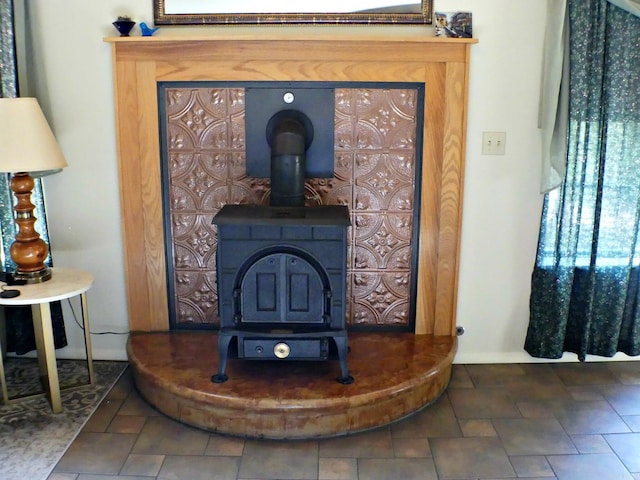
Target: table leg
[
  {"x": 87, "y": 338},
  {"x": 3, "y": 380},
  {"x": 43, "y": 330}
]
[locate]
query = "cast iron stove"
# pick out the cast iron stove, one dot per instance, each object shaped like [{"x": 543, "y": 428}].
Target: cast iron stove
[{"x": 281, "y": 275}]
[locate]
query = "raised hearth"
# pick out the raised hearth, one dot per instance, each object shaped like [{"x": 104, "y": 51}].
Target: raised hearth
[{"x": 397, "y": 374}]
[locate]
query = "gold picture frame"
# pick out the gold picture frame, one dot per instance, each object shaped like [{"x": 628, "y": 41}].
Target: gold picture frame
[{"x": 363, "y": 12}]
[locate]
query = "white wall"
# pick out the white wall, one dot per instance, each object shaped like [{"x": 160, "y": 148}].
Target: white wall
[
  {"x": 70, "y": 68},
  {"x": 502, "y": 205}
]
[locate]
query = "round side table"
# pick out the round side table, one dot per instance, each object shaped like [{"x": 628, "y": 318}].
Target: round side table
[{"x": 64, "y": 283}]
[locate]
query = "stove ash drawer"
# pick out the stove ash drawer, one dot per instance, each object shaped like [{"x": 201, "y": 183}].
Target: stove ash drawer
[{"x": 287, "y": 349}]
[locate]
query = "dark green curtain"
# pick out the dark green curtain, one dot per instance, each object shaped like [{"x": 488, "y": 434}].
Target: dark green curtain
[
  {"x": 19, "y": 328},
  {"x": 585, "y": 284}
]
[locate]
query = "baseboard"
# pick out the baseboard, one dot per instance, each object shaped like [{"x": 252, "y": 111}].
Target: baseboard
[{"x": 523, "y": 357}]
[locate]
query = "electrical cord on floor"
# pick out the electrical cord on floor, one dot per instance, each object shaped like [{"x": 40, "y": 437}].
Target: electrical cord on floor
[{"x": 75, "y": 318}]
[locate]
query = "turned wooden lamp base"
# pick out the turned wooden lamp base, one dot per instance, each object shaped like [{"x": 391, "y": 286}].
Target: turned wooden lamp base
[{"x": 28, "y": 250}]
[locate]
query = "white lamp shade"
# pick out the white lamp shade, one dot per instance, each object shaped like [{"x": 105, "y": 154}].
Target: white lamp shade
[{"x": 27, "y": 143}]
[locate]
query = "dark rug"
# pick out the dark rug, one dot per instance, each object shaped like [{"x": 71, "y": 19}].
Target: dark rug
[{"x": 32, "y": 438}]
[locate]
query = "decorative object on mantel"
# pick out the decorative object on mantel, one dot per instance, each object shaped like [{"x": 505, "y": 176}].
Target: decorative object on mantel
[
  {"x": 146, "y": 30},
  {"x": 363, "y": 12},
  {"x": 27, "y": 145},
  {"x": 453, "y": 24},
  {"x": 124, "y": 25}
]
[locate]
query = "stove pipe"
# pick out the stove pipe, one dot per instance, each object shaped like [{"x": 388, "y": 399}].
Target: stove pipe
[{"x": 289, "y": 142}]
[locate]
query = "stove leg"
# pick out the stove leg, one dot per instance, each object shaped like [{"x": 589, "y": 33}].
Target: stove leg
[
  {"x": 223, "y": 351},
  {"x": 343, "y": 349}
]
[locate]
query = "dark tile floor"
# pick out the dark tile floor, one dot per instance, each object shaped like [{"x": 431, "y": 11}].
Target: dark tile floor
[{"x": 534, "y": 421}]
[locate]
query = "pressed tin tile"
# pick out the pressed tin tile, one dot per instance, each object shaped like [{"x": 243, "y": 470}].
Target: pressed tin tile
[{"x": 375, "y": 170}]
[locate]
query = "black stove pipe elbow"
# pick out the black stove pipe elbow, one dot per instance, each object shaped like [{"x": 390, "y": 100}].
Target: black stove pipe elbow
[{"x": 288, "y": 138}]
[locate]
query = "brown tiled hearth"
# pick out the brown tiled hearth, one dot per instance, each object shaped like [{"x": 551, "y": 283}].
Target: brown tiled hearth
[{"x": 396, "y": 374}]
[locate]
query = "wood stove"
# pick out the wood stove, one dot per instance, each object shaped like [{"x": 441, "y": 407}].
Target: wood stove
[
  {"x": 281, "y": 284},
  {"x": 281, "y": 269}
]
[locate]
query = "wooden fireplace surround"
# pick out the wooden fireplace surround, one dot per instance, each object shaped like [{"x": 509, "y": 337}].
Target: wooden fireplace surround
[{"x": 338, "y": 54}]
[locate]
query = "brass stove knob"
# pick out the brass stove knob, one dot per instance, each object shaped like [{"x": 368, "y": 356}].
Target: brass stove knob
[{"x": 281, "y": 350}]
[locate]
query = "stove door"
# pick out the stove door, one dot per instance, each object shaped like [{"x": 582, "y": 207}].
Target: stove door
[{"x": 283, "y": 288}]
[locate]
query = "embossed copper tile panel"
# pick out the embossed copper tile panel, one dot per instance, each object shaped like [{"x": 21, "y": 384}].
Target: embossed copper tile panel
[{"x": 375, "y": 171}]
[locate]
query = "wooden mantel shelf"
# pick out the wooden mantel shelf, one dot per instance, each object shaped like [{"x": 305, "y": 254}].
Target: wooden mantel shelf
[
  {"x": 387, "y": 34},
  {"x": 323, "y": 53}
]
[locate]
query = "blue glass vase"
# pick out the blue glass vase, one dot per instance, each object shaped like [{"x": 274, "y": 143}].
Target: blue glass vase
[{"x": 124, "y": 26}]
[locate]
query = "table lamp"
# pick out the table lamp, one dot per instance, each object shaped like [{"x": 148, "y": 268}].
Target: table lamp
[{"x": 27, "y": 145}]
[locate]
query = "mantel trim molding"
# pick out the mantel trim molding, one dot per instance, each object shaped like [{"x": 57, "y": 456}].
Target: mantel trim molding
[{"x": 274, "y": 54}]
